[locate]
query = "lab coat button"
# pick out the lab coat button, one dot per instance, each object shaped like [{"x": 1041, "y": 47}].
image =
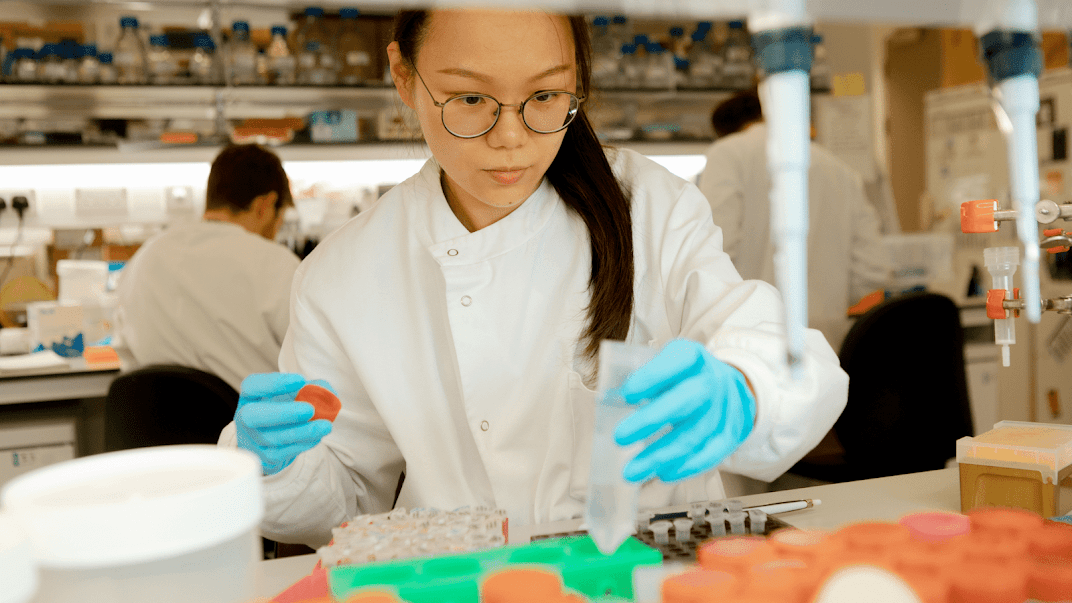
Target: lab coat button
[
  {"x": 466, "y": 300},
  {"x": 484, "y": 426},
  {"x": 452, "y": 252}
]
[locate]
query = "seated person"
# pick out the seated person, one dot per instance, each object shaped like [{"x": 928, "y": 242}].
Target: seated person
[{"x": 215, "y": 294}]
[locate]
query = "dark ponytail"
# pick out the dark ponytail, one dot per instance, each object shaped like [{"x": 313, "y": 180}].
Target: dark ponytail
[{"x": 582, "y": 177}]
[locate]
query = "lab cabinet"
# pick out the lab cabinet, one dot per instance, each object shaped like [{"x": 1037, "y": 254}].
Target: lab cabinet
[{"x": 29, "y": 445}]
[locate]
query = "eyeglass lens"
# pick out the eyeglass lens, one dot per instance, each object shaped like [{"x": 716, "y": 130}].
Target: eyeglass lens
[{"x": 473, "y": 115}]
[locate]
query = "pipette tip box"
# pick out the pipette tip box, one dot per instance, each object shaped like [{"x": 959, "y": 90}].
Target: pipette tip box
[{"x": 1018, "y": 464}]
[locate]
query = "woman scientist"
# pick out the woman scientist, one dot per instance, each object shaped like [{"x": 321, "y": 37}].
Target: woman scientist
[{"x": 459, "y": 319}]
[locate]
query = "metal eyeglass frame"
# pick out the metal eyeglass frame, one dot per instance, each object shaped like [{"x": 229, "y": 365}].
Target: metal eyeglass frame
[{"x": 498, "y": 110}]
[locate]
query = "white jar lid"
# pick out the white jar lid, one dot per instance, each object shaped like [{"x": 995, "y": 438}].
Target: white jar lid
[
  {"x": 17, "y": 572},
  {"x": 136, "y": 506}
]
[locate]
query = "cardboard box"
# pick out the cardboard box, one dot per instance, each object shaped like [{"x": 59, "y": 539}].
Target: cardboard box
[{"x": 56, "y": 327}]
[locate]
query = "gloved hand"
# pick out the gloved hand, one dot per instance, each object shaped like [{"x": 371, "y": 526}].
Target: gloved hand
[
  {"x": 271, "y": 424},
  {"x": 706, "y": 402}
]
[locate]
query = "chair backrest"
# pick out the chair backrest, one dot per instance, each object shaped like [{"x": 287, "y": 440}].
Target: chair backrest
[
  {"x": 908, "y": 394},
  {"x": 159, "y": 405}
]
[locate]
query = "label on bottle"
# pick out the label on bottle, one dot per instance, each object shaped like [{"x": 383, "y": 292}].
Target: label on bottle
[
  {"x": 125, "y": 58},
  {"x": 307, "y": 60},
  {"x": 357, "y": 58}
]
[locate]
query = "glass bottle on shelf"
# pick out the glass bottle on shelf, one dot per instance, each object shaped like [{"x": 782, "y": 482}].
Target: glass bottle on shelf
[
  {"x": 49, "y": 65},
  {"x": 820, "y": 67},
  {"x": 129, "y": 54},
  {"x": 737, "y": 69},
  {"x": 163, "y": 68},
  {"x": 89, "y": 65},
  {"x": 605, "y": 54},
  {"x": 282, "y": 67},
  {"x": 71, "y": 53},
  {"x": 353, "y": 57},
  {"x": 619, "y": 30},
  {"x": 108, "y": 72},
  {"x": 24, "y": 65},
  {"x": 243, "y": 55},
  {"x": 204, "y": 68},
  {"x": 705, "y": 65},
  {"x": 316, "y": 58},
  {"x": 678, "y": 46},
  {"x": 659, "y": 71},
  {"x": 629, "y": 69}
]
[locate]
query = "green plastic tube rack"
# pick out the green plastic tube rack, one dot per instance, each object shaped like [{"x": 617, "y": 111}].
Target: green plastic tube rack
[{"x": 457, "y": 578}]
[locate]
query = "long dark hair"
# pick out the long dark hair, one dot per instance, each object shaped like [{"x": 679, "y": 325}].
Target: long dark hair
[{"x": 583, "y": 179}]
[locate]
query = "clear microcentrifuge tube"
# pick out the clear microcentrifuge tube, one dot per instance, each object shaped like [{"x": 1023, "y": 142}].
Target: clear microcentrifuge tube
[
  {"x": 683, "y": 530},
  {"x": 611, "y": 508},
  {"x": 697, "y": 511},
  {"x": 717, "y": 521},
  {"x": 661, "y": 529},
  {"x": 757, "y": 521},
  {"x": 734, "y": 505},
  {"x": 736, "y": 519}
]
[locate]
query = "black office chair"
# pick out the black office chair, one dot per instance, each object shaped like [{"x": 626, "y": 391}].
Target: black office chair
[
  {"x": 159, "y": 405},
  {"x": 908, "y": 394}
]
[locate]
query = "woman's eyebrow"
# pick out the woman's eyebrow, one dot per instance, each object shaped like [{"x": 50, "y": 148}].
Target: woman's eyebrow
[{"x": 487, "y": 79}]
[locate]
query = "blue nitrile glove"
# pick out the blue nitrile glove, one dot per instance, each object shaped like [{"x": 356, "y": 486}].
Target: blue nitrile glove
[
  {"x": 271, "y": 424},
  {"x": 706, "y": 402}
]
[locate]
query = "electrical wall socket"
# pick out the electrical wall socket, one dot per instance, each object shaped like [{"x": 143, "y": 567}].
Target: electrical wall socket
[{"x": 9, "y": 215}]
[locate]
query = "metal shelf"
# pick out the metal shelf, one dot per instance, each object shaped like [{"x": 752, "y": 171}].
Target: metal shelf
[
  {"x": 149, "y": 153},
  {"x": 183, "y": 102}
]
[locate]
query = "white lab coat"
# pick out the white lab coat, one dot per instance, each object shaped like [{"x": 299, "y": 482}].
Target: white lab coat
[
  {"x": 208, "y": 295},
  {"x": 455, "y": 354},
  {"x": 845, "y": 257}
]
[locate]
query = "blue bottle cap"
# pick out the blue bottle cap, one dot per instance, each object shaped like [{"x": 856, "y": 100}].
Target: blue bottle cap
[
  {"x": 640, "y": 39},
  {"x": 677, "y": 32},
  {"x": 600, "y": 21},
  {"x": 279, "y": 30},
  {"x": 348, "y": 13},
  {"x": 89, "y": 50},
  {"x": 128, "y": 22},
  {"x": 682, "y": 64},
  {"x": 238, "y": 26},
  {"x": 736, "y": 24},
  {"x": 105, "y": 58},
  {"x": 699, "y": 35},
  {"x": 115, "y": 265},
  {"x": 204, "y": 41},
  {"x": 655, "y": 48},
  {"x": 46, "y": 51},
  {"x": 314, "y": 11},
  {"x": 23, "y": 53},
  {"x": 618, "y": 19},
  {"x": 704, "y": 25},
  {"x": 628, "y": 48},
  {"x": 158, "y": 40}
]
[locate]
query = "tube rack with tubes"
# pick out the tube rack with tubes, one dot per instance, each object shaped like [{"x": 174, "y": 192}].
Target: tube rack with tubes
[
  {"x": 400, "y": 534},
  {"x": 1003, "y": 301}
]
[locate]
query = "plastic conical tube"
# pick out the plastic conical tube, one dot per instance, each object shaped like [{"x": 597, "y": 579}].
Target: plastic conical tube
[{"x": 611, "y": 509}]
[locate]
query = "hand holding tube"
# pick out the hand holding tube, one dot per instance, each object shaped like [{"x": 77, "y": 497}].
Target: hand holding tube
[{"x": 272, "y": 425}]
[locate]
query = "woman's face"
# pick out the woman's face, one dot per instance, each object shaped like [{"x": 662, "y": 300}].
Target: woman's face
[{"x": 506, "y": 55}]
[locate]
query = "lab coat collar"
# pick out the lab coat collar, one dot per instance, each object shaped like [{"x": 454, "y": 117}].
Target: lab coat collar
[{"x": 450, "y": 243}]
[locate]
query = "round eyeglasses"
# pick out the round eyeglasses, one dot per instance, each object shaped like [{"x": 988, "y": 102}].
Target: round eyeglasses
[{"x": 472, "y": 115}]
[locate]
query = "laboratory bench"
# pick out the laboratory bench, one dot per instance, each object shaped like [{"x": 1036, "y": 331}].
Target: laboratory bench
[{"x": 881, "y": 499}]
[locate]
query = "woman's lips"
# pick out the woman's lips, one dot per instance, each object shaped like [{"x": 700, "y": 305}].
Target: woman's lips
[{"x": 507, "y": 176}]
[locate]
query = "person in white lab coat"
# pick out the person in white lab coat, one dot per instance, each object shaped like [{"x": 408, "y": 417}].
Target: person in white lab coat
[
  {"x": 458, "y": 319},
  {"x": 846, "y": 260},
  {"x": 215, "y": 294}
]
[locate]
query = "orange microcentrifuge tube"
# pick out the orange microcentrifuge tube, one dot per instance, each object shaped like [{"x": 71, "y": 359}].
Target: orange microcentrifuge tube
[
  {"x": 783, "y": 580},
  {"x": 510, "y": 585},
  {"x": 871, "y": 542},
  {"x": 735, "y": 554},
  {"x": 326, "y": 405},
  {"x": 927, "y": 559},
  {"x": 698, "y": 586},
  {"x": 936, "y": 527},
  {"x": 995, "y": 546},
  {"x": 1052, "y": 543},
  {"x": 1051, "y": 582},
  {"x": 1010, "y": 522},
  {"x": 986, "y": 582}
]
